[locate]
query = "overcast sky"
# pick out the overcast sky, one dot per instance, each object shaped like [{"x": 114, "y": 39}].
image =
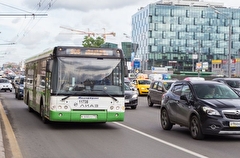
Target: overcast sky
[{"x": 24, "y": 36}]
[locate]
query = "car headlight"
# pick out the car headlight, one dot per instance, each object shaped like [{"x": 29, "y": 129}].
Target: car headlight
[
  {"x": 135, "y": 96},
  {"x": 142, "y": 88},
  {"x": 21, "y": 88},
  {"x": 210, "y": 111}
]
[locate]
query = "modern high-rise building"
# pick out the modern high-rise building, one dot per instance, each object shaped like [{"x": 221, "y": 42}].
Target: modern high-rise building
[{"x": 181, "y": 33}]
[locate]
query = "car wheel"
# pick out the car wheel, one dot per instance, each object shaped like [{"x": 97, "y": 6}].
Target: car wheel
[
  {"x": 195, "y": 128},
  {"x": 150, "y": 104},
  {"x": 18, "y": 97},
  {"x": 165, "y": 121},
  {"x": 133, "y": 107}
]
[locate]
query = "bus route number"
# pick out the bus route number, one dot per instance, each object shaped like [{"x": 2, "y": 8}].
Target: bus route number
[{"x": 83, "y": 101}]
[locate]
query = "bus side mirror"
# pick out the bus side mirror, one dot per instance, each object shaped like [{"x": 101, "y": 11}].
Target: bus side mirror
[{"x": 49, "y": 66}]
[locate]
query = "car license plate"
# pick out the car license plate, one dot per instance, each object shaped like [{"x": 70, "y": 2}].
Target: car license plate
[
  {"x": 234, "y": 124},
  {"x": 88, "y": 116},
  {"x": 126, "y": 101}
]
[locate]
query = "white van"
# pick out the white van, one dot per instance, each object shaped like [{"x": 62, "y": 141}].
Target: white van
[{"x": 155, "y": 77}]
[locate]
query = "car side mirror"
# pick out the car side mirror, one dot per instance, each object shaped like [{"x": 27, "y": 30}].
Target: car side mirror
[{"x": 184, "y": 97}]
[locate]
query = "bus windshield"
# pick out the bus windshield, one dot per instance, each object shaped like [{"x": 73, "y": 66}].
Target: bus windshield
[{"x": 89, "y": 76}]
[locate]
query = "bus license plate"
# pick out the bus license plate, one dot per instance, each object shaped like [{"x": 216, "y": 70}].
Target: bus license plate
[
  {"x": 234, "y": 124},
  {"x": 88, "y": 116}
]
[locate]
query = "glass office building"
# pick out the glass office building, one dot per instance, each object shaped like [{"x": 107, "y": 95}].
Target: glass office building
[{"x": 175, "y": 33}]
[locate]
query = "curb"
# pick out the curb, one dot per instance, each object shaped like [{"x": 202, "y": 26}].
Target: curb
[{"x": 2, "y": 149}]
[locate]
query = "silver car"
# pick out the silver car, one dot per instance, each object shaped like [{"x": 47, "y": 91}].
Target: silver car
[{"x": 5, "y": 85}]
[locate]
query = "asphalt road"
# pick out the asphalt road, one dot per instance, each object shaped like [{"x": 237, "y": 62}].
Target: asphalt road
[{"x": 140, "y": 135}]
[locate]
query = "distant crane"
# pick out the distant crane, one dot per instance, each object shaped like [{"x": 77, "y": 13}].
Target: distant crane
[
  {"x": 78, "y": 31},
  {"x": 104, "y": 34}
]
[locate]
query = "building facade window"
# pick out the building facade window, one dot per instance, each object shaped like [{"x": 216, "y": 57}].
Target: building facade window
[{"x": 176, "y": 30}]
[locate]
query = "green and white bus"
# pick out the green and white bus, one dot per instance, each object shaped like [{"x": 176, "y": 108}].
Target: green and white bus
[{"x": 76, "y": 84}]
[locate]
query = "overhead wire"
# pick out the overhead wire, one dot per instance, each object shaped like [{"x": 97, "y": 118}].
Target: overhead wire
[
  {"x": 14, "y": 7},
  {"x": 26, "y": 28},
  {"x": 30, "y": 25}
]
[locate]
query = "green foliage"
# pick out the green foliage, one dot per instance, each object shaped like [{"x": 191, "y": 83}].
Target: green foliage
[{"x": 91, "y": 42}]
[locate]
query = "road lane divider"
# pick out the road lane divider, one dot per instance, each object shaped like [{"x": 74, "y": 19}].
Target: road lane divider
[{"x": 163, "y": 141}]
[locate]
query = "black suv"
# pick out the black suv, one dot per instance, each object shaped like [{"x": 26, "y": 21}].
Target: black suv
[
  {"x": 205, "y": 107},
  {"x": 19, "y": 87}
]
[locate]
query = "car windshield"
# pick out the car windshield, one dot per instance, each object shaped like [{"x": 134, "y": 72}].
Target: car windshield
[
  {"x": 129, "y": 84},
  {"x": 233, "y": 83},
  {"x": 126, "y": 87},
  {"x": 4, "y": 81},
  {"x": 167, "y": 85},
  {"x": 22, "y": 81},
  {"x": 144, "y": 82},
  {"x": 213, "y": 91}
]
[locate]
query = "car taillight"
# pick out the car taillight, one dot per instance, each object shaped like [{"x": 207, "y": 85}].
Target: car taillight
[{"x": 163, "y": 95}]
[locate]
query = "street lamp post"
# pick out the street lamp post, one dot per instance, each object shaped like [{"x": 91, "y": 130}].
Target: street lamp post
[
  {"x": 229, "y": 50},
  {"x": 199, "y": 55},
  {"x": 194, "y": 56},
  {"x": 229, "y": 39},
  {"x": 153, "y": 59}
]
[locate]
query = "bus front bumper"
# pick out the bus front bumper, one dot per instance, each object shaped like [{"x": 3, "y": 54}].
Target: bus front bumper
[{"x": 86, "y": 116}]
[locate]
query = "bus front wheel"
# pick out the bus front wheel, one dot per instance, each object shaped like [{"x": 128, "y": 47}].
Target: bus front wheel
[
  {"x": 29, "y": 108},
  {"x": 42, "y": 113}
]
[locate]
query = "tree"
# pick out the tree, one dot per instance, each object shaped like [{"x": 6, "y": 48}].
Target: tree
[{"x": 91, "y": 42}]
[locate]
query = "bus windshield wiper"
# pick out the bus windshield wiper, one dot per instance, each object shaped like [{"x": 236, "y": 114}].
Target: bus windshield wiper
[
  {"x": 68, "y": 96},
  {"x": 110, "y": 95},
  {"x": 65, "y": 97}
]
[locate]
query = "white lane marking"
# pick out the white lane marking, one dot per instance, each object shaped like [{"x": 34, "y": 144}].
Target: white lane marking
[{"x": 162, "y": 141}]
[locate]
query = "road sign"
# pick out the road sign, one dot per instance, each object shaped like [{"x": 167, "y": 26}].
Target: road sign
[{"x": 136, "y": 64}]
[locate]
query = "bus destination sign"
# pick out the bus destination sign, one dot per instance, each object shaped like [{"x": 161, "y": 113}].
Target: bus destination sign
[{"x": 90, "y": 52}]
